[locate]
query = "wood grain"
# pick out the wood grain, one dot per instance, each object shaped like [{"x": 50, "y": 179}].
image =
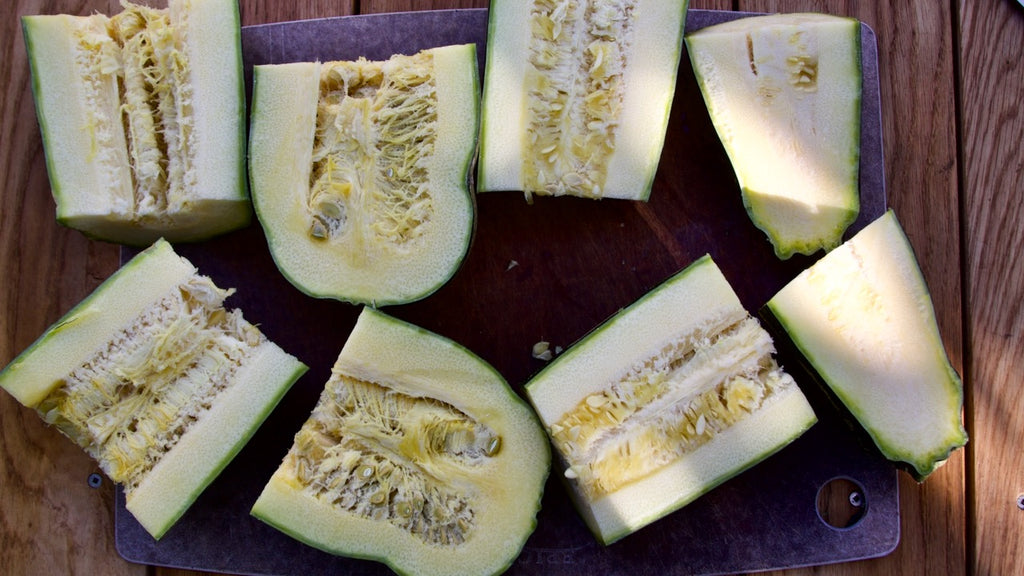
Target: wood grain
[
  {"x": 382, "y": 6},
  {"x": 51, "y": 521},
  {"x": 267, "y": 11},
  {"x": 963, "y": 519},
  {"x": 992, "y": 82},
  {"x": 920, "y": 146}
]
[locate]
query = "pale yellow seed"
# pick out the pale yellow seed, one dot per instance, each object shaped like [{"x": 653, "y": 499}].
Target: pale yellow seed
[
  {"x": 404, "y": 509},
  {"x": 330, "y": 209},
  {"x": 494, "y": 446},
  {"x": 317, "y": 229},
  {"x": 542, "y": 351},
  {"x": 572, "y": 179},
  {"x": 217, "y": 317}
]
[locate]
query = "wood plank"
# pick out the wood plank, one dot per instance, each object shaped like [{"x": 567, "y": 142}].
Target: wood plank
[
  {"x": 920, "y": 146},
  {"x": 992, "y": 81},
  {"x": 711, "y": 4},
  {"x": 51, "y": 521},
  {"x": 383, "y": 6},
  {"x": 267, "y": 11},
  {"x": 921, "y": 170}
]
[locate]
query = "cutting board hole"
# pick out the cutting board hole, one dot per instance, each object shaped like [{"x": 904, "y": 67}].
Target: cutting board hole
[{"x": 841, "y": 503}]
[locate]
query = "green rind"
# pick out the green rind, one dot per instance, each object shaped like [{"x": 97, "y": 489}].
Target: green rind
[
  {"x": 293, "y": 148},
  {"x": 807, "y": 372},
  {"x": 759, "y": 205},
  {"x": 784, "y": 250},
  {"x": 229, "y": 214},
  {"x": 214, "y": 440},
  {"x": 242, "y": 204},
  {"x": 28, "y": 24},
  {"x": 496, "y": 83},
  {"x": 481, "y": 168},
  {"x": 699, "y": 290},
  {"x": 658, "y": 135},
  {"x": 415, "y": 361},
  {"x": 577, "y": 347},
  {"x": 268, "y": 154},
  {"x": 797, "y": 410},
  {"x": 174, "y": 483},
  {"x": 146, "y": 278},
  {"x": 810, "y": 343},
  {"x": 201, "y": 218}
]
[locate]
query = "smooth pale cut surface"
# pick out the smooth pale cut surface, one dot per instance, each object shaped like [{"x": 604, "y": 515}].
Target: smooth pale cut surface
[
  {"x": 650, "y": 80},
  {"x": 213, "y": 441},
  {"x": 135, "y": 287},
  {"x": 795, "y": 150},
  {"x": 218, "y": 96},
  {"x": 862, "y": 316},
  {"x": 72, "y": 162},
  {"x": 93, "y": 190},
  {"x": 280, "y": 151},
  {"x": 697, "y": 297},
  {"x": 413, "y": 361}
]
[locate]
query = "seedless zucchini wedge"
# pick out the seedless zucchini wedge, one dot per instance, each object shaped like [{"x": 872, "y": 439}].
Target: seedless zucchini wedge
[
  {"x": 784, "y": 94},
  {"x": 156, "y": 380},
  {"x": 577, "y": 95},
  {"x": 668, "y": 399},
  {"x": 863, "y": 318},
  {"x": 360, "y": 172},
  {"x": 142, "y": 120},
  {"x": 418, "y": 455}
]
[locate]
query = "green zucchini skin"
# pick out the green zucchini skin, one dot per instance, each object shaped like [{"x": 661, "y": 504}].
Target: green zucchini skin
[
  {"x": 504, "y": 490},
  {"x": 795, "y": 153},
  {"x": 686, "y": 316},
  {"x": 92, "y": 182},
  {"x": 649, "y": 78},
  {"x": 166, "y": 490},
  {"x": 862, "y": 323},
  {"x": 355, "y": 265}
]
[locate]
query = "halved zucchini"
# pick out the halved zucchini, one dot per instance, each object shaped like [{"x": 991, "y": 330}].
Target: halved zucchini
[
  {"x": 577, "y": 95},
  {"x": 156, "y": 380},
  {"x": 671, "y": 397},
  {"x": 142, "y": 119},
  {"x": 418, "y": 455},
  {"x": 360, "y": 172}
]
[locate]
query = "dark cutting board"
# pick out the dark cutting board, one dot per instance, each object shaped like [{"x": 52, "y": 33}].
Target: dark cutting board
[{"x": 551, "y": 270}]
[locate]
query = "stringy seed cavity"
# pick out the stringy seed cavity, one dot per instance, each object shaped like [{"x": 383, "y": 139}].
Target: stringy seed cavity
[
  {"x": 665, "y": 406},
  {"x": 375, "y": 133},
  {"x": 377, "y": 453},
  {"x": 577, "y": 55}
]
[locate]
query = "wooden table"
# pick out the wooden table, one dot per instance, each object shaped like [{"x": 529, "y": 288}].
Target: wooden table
[{"x": 952, "y": 80}]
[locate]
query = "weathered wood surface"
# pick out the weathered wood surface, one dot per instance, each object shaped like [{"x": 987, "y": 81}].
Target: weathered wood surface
[{"x": 951, "y": 83}]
